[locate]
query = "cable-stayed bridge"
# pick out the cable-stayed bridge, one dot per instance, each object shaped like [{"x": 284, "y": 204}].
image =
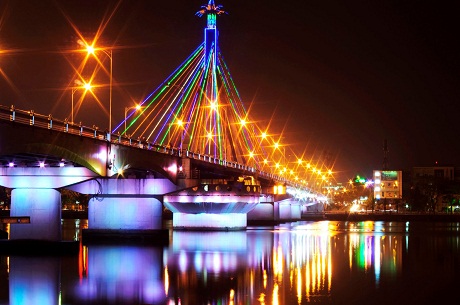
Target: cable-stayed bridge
[{"x": 189, "y": 146}]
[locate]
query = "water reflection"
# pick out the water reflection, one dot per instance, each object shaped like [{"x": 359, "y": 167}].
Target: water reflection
[
  {"x": 298, "y": 263},
  {"x": 34, "y": 280},
  {"x": 123, "y": 274}
]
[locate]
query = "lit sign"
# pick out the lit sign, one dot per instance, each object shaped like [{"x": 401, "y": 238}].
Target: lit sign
[{"x": 389, "y": 175}]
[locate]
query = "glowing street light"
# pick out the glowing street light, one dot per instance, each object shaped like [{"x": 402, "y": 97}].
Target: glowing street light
[
  {"x": 91, "y": 50},
  {"x": 278, "y": 146},
  {"x": 137, "y": 107},
  {"x": 80, "y": 85},
  {"x": 180, "y": 125}
]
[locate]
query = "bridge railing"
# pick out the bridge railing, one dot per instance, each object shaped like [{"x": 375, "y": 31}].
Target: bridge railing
[{"x": 29, "y": 117}]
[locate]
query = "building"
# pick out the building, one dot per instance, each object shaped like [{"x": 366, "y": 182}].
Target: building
[
  {"x": 438, "y": 186},
  {"x": 441, "y": 172},
  {"x": 387, "y": 184}
]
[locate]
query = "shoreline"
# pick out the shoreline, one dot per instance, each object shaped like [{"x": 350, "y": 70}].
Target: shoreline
[
  {"x": 389, "y": 216},
  {"x": 316, "y": 216}
]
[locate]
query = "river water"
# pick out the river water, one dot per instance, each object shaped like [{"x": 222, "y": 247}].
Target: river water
[{"x": 325, "y": 262}]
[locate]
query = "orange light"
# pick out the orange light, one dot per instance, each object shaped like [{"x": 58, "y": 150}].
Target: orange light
[{"x": 87, "y": 86}]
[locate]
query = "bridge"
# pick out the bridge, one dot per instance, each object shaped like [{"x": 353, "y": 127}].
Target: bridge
[{"x": 190, "y": 146}]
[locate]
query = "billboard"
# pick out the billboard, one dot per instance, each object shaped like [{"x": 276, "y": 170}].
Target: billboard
[{"x": 387, "y": 184}]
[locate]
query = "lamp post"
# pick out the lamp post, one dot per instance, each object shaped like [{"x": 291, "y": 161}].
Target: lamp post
[
  {"x": 109, "y": 54},
  {"x": 137, "y": 107},
  {"x": 278, "y": 146},
  {"x": 73, "y": 92},
  {"x": 179, "y": 126},
  {"x": 90, "y": 49},
  {"x": 180, "y": 123},
  {"x": 80, "y": 85}
]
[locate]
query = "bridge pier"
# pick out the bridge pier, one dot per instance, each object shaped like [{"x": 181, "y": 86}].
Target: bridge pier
[
  {"x": 43, "y": 206},
  {"x": 34, "y": 194},
  {"x": 213, "y": 206},
  {"x": 125, "y": 208},
  {"x": 289, "y": 210},
  {"x": 266, "y": 210},
  {"x": 210, "y": 221},
  {"x": 124, "y": 213},
  {"x": 276, "y": 208}
]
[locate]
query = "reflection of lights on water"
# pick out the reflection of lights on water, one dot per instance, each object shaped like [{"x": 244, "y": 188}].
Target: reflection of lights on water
[
  {"x": 278, "y": 261},
  {"x": 300, "y": 254},
  {"x": 377, "y": 260},
  {"x": 275, "y": 299},
  {"x": 261, "y": 298},
  {"x": 265, "y": 278},
  {"x": 198, "y": 262},
  {"x": 299, "y": 285},
  {"x": 232, "y": 296},
  {"x": 182, "y": 261},
  {"x": 166, "y": 276}
]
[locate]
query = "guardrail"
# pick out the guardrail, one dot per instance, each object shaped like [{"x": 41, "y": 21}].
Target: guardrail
[{"x": 29, "y": 117}]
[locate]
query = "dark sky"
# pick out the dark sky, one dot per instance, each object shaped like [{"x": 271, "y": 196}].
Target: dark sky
[{"x": 339, "y": 77}]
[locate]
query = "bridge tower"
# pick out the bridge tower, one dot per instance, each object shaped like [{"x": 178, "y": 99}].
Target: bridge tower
[
  {"x": 210, "y": 204},
  {"x": 211, "y": 49}
]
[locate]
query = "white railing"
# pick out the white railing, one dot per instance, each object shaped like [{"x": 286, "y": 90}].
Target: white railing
[{"x": 29, "y": 117}]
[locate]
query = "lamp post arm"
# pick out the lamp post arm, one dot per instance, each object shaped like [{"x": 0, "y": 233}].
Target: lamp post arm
[
  {"x": 73, "y": 92},
  {"x": 110, "y": 97},
  {"x": 110, "y": 56},
  {"x": 126, "y": 111}
]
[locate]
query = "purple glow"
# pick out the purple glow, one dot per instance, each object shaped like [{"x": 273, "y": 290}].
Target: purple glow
[
  {"x": 122, "y": 273},
  {"x": 34, "y": 280},
  {"x": 209, "y": 220},
  {"x": 125, "y": 213}
]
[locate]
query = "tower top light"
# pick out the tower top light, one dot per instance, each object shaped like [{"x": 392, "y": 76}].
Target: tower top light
[{"x": 211, "y": 10}]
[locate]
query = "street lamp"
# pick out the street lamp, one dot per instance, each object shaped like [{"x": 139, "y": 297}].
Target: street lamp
[
  {"x": 90, "y": 49},
  {"x": 278, "y": 146},
  {"x": 80, "y": 85},
  {"x": 137, "y": 107},
  {"x": 73, "y": 92},
  {"x": 180, "y": 125}
]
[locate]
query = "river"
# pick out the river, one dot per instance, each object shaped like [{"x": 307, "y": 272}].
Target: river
[{"x": 325, "y": 262}]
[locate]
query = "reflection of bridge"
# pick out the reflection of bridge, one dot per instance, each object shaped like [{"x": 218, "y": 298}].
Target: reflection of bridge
[{"x": 197, "y": 109}]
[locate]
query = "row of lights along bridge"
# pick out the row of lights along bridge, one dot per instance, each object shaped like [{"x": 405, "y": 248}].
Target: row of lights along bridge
[{"x": 91, "y": 51}]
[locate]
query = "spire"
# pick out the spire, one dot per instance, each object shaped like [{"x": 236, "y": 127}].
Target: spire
[
  {"x": 211, "y": 10},
  {"x": 385, "y": 155}
]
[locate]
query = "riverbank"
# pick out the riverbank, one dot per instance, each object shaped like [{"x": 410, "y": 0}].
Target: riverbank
[
  {"x": 337, "y": 216},
  {"x": 344, "y": 216}
]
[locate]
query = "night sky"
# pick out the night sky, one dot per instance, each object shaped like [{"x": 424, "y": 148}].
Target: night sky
[{"x": 336, "y": 78}]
